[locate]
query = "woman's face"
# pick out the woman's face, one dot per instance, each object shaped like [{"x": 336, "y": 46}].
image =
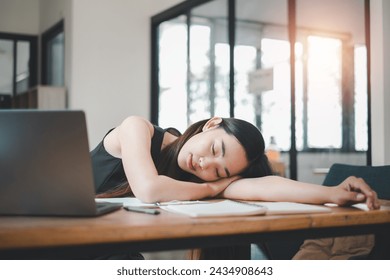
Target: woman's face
[{"x": 212, "y": 154}]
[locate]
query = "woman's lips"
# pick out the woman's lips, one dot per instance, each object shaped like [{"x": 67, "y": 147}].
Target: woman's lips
[{"x": 189, "y": 162}]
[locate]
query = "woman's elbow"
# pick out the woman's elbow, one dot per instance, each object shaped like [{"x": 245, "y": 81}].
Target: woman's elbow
[{"x": 147, "y": 193}]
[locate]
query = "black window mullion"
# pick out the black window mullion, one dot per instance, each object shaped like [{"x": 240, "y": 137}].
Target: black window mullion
[
  {"x": 189, "y": 80},
  {"x": 259, "y": 100},
  {"x": 292, "y": 39},
  {"x": 305, "y": 95},
  {"x": 348, "y": 123},
  {"x": 232, "y": 34},
  {"x": 212, "y": 68},
  {"x": 368, "y": 46},
  {"x": 33, "y": 62},
  {"x": 154, "y": 85},
  {"x": 15, "y": 59}
]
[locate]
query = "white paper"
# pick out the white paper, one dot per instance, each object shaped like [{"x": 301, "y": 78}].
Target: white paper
[
  {"x": 363, "y": 206},
  {"x": 216, "y": 208},
  {"x": 135, "y": 202},
  {"x": 276, "y": 208}
]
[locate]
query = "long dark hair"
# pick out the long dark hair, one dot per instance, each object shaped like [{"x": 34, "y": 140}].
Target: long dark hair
[{"x": 247, "y": 134}]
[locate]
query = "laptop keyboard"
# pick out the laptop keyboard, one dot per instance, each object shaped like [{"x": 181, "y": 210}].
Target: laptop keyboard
[{"x": 107, "y": 207}]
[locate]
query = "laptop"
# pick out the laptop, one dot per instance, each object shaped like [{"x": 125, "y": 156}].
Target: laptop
[{"x": 45, "y": 165}]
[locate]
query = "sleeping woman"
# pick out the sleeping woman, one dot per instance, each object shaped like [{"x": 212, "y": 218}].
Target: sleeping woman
[{"x": 217, "y": 157}]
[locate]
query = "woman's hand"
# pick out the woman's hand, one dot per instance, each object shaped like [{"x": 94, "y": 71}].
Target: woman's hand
[
  {"x": 219, "y": 186},
  {"x": 354, "y": 190}
]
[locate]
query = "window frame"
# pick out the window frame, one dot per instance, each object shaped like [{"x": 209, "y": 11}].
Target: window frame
[
  {"x": 347, "y": 97},
  {"x": 185, "y": 8},
  {"x": 33, "y": 63},
  {"x": 47, "y": 36}
]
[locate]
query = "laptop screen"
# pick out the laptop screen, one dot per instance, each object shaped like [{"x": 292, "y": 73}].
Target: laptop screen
[{"x": 45, "y": 166}]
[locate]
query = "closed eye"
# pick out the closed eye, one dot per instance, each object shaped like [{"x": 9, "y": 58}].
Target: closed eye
[{"x": 223, "y": 154}]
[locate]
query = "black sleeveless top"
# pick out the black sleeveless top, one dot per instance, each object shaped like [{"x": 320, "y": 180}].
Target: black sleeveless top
[{"x": 108, "y": 171}]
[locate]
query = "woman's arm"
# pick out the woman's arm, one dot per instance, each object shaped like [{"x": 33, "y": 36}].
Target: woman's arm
[
  {"x": 132, "y": 141},
  {"x": 274, "y": 188}
]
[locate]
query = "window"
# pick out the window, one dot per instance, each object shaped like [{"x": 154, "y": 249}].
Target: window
[
  {"x": 53, "y": 55},
  {"x": 275, "y": 102},
  {"x": 193, "y": 67},
  {"x": 206, "y": 56},
  {"x": 7, "y": 66},
  {"x": 18, "y": 67},
  {"x": 320, "y": 106},
  {"x": 360, "y": 101},
  {"x": 173, "y": 74},
  {"x": 324, "y": 92}
]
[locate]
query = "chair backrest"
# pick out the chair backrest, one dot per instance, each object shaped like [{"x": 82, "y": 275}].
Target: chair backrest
[{"x": 378, "y": 177}]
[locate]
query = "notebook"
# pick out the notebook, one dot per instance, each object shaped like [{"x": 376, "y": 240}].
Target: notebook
[
  {"x": 243, "y": 208},
  {"x": 285, "y": 208},
  {"x": 203, "y": 208},
  {"x": 45, "y": 166},
  {"x": 135, "y": 202},
  {"x": 216, "y": 209}
]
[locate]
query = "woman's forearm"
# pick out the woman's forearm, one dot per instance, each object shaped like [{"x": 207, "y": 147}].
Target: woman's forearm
[
  {"x": 162, "y": 188},
  {"x": 275, "y": 188}
]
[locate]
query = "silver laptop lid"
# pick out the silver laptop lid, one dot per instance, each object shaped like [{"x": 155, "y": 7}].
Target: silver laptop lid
[{"x": 45, "y": 166}]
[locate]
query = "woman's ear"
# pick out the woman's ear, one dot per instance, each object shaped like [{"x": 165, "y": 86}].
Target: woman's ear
[{"x": 214, "y": 122}]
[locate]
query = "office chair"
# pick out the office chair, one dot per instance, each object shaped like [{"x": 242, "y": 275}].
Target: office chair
[{"x": 378, "y": 177}]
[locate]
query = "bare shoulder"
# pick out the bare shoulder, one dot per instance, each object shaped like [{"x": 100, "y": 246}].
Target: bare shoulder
[
  {"x": 132, "y": 126},
  {"x": 135, "y": 124}
]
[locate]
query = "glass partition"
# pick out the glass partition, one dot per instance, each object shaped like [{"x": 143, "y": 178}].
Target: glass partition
[
  {"x": 173, "y": 73},
  {"x": 210, "y": 21},
  {"x": 6, "y": 66},
  {"x": 55, "y": 61},
  {"x": 53, "y": 55},
  {"x": 333, "y": 120},
  {"x": 194, "y": 66},
  {"x": 233, "y": 58},
  {"x": 18, "y": 65},
  {"x": 262, "y": 72},
  {"x": 22, "y": 66}
]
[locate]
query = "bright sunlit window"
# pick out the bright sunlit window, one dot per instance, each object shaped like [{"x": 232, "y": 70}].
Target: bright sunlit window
[
  {"x": 173, "y": 77},
  {"x": 361, "y": 142},
  {"x": 324, "y": 109},
  {"x": 197, "y": 86}
]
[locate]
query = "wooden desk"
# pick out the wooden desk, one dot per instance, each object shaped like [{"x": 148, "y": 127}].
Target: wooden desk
[{"x": 56, "y": 237}]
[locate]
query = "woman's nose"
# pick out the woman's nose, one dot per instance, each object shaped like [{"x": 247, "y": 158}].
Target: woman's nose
[{"x": 205, "y": 162}]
